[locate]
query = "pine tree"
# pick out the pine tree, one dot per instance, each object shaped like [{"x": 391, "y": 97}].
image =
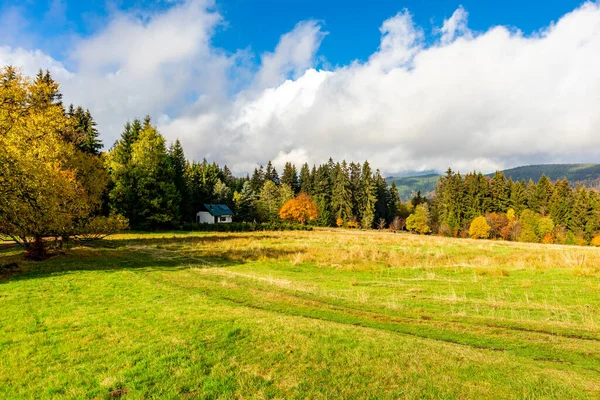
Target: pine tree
[
  {"x": 245, "y": 203},
  {"x": 305, "y": 180},
  {"x": 341, "y": 200},
  {"x": 178, "y": 165},
  {"x": 382, "y": 201},
  {"x": 355, "y": 189},
  {"x": 258, "y": 179},
  {"x": 394, "y": 201},
  {"x": 367, "y": 196},
  {"x": 582, "y": 213},
  {"x": 290, "y": 176},
  {"x": 541, "y": 195},
  {"x": 271, "y": 174},
  {"x": 85, "y": 130},
  {"x": 561, "y": 203},
  {"x": 500, "y": 187},
  {"x": 228, "y": 178},
  {"x": 518, "y": 197},
  {"x": 144, "y": 189},
  {"x": 322, "y": 195}
]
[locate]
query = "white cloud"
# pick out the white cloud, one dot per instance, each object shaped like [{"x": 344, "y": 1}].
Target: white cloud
[
  {"x": 470, "y": 100},
  {"x": 294, "y": 53}
]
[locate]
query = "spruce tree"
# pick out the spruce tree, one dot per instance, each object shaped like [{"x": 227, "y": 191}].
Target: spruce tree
[
  {"x": 341, "y": 200},
  {"x": 582, "y": 214},
  {"x": 290, "y": 176},
  {"x": 367, "y": 196},
  {"x": 518, "y": 197},
  {"x": 541, "y": 195},
  {"x": 322, "y": 195},
  {"x": 305, "y": 181},
  {"x": 561, "y": 203},
  {"x": 355, "y": 189},
  {"x": 258, "y": 179},
  {"x": 271, "y": 174},
  {"x": 500, "y": 187},
  {"x": 382, "y": 201},
  {"x": 178, "y": 165}
]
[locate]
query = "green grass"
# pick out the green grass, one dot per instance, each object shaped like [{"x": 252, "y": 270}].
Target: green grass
[{"x": 323, "y": 314}]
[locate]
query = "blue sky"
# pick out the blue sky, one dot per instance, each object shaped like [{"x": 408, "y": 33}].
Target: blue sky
[
  {"x": 408, "y": 85},
  {"x": 352, "y": 25}
]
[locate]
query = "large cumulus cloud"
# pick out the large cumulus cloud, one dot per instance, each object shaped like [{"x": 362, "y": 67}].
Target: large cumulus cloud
[{"x": 452, "y": 97}]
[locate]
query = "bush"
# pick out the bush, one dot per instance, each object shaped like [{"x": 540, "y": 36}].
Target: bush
[
  {"x": 548, "y": 239},
  {"x": 596, "y": 241},
  {"x": 417, "y": 222},
  {"x": 479, "y": 228}
]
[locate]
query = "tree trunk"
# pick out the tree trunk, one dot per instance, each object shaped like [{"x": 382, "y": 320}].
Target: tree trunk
[{"x": 37, "y": 250}]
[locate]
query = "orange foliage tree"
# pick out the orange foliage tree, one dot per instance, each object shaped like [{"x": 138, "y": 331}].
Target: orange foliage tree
[{"x": 301, "y": 209}]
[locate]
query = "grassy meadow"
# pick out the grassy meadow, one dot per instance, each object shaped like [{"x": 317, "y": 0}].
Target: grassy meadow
[{"x": 320, "y": 314}]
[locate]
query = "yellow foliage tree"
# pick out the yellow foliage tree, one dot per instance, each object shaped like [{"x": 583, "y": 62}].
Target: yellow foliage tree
[
  {"x": 479, "y": 228},
  {"x": 48, "y": 187},
  {"x": 301, "y": 209}
]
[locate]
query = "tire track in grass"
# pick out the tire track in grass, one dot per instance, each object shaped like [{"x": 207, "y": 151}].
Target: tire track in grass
[{"x": 498, "y": 339}]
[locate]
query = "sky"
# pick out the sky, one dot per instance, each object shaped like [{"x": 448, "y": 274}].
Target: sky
[{"x": 407, "y": 85}]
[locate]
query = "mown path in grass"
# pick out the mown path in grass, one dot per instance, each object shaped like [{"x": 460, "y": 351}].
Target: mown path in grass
[{"x": 322, "y": 314}]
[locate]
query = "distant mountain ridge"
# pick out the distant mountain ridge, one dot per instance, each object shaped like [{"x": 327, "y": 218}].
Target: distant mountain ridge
[{"x": 585, "y": 174}]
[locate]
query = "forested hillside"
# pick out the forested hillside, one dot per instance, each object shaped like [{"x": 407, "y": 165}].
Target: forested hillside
[{"x": 584, "y": 174}]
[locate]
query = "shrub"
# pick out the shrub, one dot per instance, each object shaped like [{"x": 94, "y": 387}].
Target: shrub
[
  {"x": 339, "y": 222},
  {"x": 548, "y": 239},
  {"x": 479, "y": 228},
  {"x": 353, "y": 223},
  {"x": 596, "y": 241},
  {"x": 497, "y": 222},
  {"x": 246, "y": 227},
  {"x": 397, "y": 224},
  {"x": 417, "y": 222},
  {"x": 545, "y": 227}
]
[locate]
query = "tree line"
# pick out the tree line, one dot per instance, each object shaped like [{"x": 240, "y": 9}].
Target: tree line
[
  {"x": 57, "y": 185},
  {"x": 543, "y": 211},
  {"x": 154, "y": 186}
]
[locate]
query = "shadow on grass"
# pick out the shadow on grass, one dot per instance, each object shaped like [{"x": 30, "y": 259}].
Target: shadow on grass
[
  {"x": 176, "y": 240},
  {"x": 150, "y": 254}
]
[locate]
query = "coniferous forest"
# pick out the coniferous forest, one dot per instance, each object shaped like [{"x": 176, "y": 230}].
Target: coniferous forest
[{"x": 151, "y": 184}]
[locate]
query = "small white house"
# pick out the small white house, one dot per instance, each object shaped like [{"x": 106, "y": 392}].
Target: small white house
[{"x": 214, "y": 214}]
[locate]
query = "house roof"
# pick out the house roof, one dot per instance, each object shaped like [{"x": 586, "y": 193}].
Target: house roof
[{"x": 218, "y": 209}]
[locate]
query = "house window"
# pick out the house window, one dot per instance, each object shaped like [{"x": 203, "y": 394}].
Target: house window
[{"x": 223, "y": 219}]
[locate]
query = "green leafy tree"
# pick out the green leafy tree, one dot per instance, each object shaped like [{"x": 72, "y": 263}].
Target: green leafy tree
[
  {"x": 245, "y": 203},
  {"x": 419, "y": 221},
  {"x": 269, "y": 201},
  {"x": 221, "y": 192}
]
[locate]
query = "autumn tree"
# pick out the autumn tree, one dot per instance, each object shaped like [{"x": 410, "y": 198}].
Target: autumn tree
[
  {"x": 419, "y": 221},
  {"x": 49, "y": 187},
  {"x": 301, "y": 209},
  {"x": 479, "y": 228}
]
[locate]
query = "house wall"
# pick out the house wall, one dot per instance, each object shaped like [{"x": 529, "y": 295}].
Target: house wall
[
  {"x": 227, "y": 219},
  {"x": 204, "y": 217}
]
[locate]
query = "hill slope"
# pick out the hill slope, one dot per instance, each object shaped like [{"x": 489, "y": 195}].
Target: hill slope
[{"x": 585, "y": 174}]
